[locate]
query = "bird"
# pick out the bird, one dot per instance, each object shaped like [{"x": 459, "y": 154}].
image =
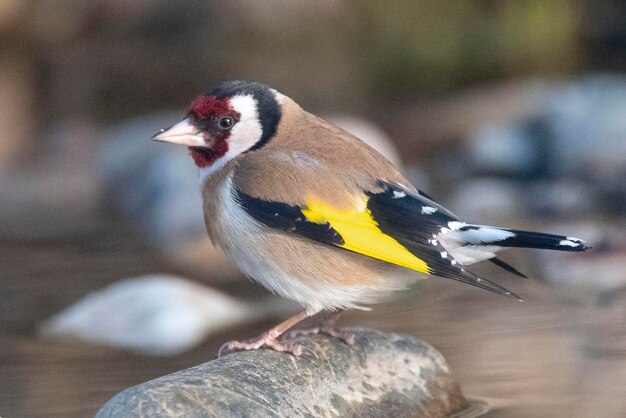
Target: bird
[{"x": 315, "y": 215}]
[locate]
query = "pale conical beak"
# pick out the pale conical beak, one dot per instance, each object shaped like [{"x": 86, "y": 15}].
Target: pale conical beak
[{"x": 183, "y": 133}]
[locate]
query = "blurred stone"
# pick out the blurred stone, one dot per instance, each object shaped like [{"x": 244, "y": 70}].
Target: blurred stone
[
  {"x": 609, "y": 187},
  {"x": 423, "y": 127},
  {"x": 155, "y": 315},
  {"x": 508, "y": 151},
  {"x": 562, "y": 198},
  {"x": 487, "y": 200},
  {"x": 578, "y": 135},
  {"x": 587, "y": 119},
  {"x": 385, "y": 375},
  {"x": 156, "y": 186}
]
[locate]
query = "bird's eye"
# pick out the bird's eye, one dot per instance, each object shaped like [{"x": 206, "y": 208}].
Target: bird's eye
[{"x": 225, "y": 123}]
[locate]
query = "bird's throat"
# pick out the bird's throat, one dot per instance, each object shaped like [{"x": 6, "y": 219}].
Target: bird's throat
[{"x": 205, "y": 157}]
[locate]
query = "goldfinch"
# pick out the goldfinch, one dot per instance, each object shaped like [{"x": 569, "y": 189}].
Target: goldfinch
[{"x": 317, "y": 216}]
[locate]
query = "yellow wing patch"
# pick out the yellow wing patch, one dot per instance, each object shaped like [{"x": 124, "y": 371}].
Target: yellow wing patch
[{"x": 361, "y": 234}]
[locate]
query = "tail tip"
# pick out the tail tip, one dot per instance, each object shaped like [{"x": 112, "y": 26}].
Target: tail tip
[
  {"x": 512, "y": 295},
  {"x": 574, "y": 244}
]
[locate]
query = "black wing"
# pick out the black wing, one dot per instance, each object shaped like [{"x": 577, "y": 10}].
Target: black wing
[
  {"x": 287, "y": 218},
  {"x": 415, "y": 221}
]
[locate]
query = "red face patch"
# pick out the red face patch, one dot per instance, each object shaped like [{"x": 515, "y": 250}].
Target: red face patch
[
  {"x": 206, "y": 110},
  {"x": 203, "y": 107},
  {"x": 205, "y": 157}
]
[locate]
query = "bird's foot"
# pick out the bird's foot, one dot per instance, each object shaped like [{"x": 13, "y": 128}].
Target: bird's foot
[
  {"x": 327, "y": 326},
  {"x": 264, "y": 340},
  {"x": 347, "y": 337}
]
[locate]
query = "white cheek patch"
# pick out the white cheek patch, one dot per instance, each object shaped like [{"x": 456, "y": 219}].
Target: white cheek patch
[
  {"x": 248, "y": 130},
  {"x": 243, "y": 135}
]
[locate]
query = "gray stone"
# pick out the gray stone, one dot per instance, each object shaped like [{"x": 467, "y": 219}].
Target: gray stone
[
  {"x": 159, "y": 315},
  {"x": 389, "y": 375}
]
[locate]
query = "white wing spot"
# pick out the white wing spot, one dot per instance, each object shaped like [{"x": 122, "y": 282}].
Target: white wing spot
[
  {"x": 428, "y": 210},
  {"x": 568, "y": 243},
  {"x": 398, "y": 195},
  {"x": 454, "y": 225},
  {"x": 444, "y": 254}
]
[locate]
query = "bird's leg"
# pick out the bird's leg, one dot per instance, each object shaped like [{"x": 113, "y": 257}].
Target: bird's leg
[
  {"x": 268, "y": 339},
  {"x": 328, "y": 326}
]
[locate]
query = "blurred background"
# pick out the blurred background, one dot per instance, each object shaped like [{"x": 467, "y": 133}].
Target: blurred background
[{"x": 510, "y": 113}]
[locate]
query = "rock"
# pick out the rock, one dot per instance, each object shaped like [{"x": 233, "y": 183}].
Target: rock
[
  {"x": 385, "y": 375},
  {"x": 155, "y": 315}
]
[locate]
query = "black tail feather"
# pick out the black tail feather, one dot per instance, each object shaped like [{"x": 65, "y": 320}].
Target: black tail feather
[
  {"x": 506, "y": 266},
  {"x": 468, "y": 277},
  {"x": 526, "y": 239}
]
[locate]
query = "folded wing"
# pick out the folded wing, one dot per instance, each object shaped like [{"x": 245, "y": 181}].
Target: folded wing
[{"x": 392, "y": 224}]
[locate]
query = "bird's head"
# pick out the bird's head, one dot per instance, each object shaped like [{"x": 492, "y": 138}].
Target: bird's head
[{"x": 236, "y": 117}]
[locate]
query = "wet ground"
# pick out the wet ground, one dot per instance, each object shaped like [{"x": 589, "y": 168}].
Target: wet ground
[{"x": 556, "y": 355}]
